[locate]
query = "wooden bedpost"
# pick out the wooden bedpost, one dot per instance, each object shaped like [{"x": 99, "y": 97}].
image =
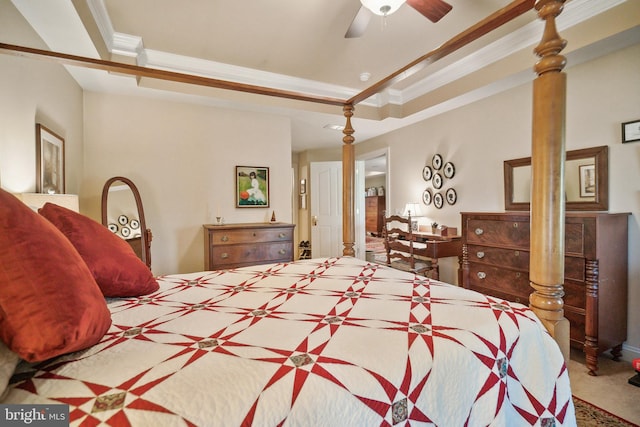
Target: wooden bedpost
[
  {"x": 547, "y": 191},
  {"x": 348, "y": 183}
]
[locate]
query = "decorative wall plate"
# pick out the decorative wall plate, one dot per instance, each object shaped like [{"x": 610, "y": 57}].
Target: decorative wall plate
[
  {"x": 449, "y": 170},
  {"x": 113, "y": 228},
  {"x": 426, "y": 197},
  {"x": 438, "y": 200},
  {"x": 123, "y": 220},
  {"x": 135, "y": 224},
  {"x": 437, "y": 162},
  {"x": 427, "y": 173},
  {"x": 437, "y": 181},
  {"x": 125, "y": 231},
  {"x": 451, "y": 196}
]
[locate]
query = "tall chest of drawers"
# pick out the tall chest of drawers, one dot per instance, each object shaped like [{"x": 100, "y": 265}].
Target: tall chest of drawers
[
  {"x": 374, "y": 213},
  {"x": 239, "y": 245},
  {"x": 495, "y": 262}
]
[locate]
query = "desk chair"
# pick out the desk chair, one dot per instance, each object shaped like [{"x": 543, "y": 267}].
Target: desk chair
[{"x": 401, "y": 247}]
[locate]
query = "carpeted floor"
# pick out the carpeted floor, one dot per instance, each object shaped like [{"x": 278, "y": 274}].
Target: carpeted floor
[{"x": 588, "y": 415}]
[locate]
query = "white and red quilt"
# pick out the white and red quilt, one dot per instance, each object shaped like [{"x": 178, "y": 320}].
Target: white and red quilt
[{"x": 320, "y": 342}]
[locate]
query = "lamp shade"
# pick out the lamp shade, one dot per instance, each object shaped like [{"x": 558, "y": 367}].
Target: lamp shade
[
  {"x": 412, "y": 209},
  {"x": 382, "y": 7},
  {"x": 36, "y": 200}
]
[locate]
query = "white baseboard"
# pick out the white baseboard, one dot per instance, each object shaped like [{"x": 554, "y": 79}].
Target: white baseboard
[{"x": 629, "y": 352}]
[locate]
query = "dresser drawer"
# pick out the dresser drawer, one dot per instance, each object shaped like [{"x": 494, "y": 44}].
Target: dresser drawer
[
  {"x": 512, "y": 258},
  {"x": 250, "y": 254},
  {"x": 232, "y": 237},
  {"x": 519, "y": 260},
  {"x": 512, "y": 282},
  {"x": 505, "y": 233}
]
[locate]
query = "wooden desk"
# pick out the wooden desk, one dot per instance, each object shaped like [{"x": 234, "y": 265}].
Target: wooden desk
[{"x": 438, "y": 247}]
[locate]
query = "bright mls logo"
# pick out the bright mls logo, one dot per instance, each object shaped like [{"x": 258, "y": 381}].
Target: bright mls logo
[{"x": 34, "y": 415}]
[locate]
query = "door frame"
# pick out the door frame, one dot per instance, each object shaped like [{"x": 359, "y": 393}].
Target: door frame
[{"x": 360, "y": 229}]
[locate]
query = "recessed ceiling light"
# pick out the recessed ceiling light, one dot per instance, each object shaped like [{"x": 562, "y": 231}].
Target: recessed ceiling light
[
  {"x": 365, "y": 76},
  {"x": 334, "y": 127}
]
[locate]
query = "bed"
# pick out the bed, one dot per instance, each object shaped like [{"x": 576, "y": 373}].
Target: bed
[{"x": 335, "y": 341}]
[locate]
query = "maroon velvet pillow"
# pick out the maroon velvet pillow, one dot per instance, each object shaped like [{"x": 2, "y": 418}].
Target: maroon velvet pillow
[
  {"x": 117, "y": 269},
  {"x": 50, "y": 303}
]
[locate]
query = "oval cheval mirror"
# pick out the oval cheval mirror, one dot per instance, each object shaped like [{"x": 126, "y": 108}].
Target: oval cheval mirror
[{"x": 123, "y": 215}]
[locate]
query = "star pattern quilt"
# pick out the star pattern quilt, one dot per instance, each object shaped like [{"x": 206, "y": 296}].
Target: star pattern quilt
[{"x": 320, "y": 342}]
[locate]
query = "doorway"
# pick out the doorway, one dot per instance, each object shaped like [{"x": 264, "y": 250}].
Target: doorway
[{"x": 374, "y": 195}]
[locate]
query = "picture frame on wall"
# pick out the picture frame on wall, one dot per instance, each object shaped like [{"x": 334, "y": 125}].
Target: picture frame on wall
[
  {"x": 252, "y": 187},
  {"x": 587, "y": 180},
  {"x": 631, "y": 131},
  {"x": 49, "y": 161}
]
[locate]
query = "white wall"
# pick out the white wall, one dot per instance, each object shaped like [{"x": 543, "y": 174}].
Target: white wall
[
  {"x": 182, "y": 158},
  {"x": 31, "y": 92},
  {"x": 477, "y": 138}
]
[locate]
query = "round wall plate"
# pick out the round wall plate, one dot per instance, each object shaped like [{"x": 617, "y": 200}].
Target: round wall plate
[
  {"x": 438, "y": 200},
  {"x": 449, "y": 170},
  {"x": 437, "y": 162},
  {"x": 426, "y": 197},
  {"x": 123, "y": 220},
  {"x": 437, "y": 181},
  {"x": 113, "y": 228},
  {"x": 427, "y": 173},
  {"x": 451, "y": 196}
]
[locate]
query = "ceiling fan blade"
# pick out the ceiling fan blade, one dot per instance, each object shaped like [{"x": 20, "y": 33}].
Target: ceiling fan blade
[
  {"x": 433, "y": 10},
  {"x": 359, "y": 23}
]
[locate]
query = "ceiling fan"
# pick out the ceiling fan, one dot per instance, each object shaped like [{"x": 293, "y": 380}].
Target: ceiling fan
[{"x": 433, "y": 10}]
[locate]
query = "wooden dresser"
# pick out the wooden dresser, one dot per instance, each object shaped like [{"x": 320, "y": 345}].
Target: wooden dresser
[
  {"x": 495, "y": 261},
  {"x": 374, "y": 213},
  {"x": 238, "y": 245}
]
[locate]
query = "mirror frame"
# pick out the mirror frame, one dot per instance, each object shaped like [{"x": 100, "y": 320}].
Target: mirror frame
[
  {"x": 601, "y": 160},
  {"x": 145, "y": 235}
]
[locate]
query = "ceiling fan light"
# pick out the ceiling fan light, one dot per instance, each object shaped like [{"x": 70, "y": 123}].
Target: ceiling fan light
[{"x": 382, "y": 7}]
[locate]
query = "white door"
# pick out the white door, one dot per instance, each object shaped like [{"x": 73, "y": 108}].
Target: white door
[{"x": 326, "y": 209}]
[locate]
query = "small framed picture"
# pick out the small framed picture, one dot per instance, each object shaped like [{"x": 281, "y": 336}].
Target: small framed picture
[
  {"x": 631, "y": 131},
  {"x": 49, "y": 161},
  {"x": 252, "y": 187},
  {"x": 587, "y": 180}
]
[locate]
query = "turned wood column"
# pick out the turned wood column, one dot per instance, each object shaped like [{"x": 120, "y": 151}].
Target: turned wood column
[
  {"x": 348, "y": 184},
  {"x": 547, "y": 191}
]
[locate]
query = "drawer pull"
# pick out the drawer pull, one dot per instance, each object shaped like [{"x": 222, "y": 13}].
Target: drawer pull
[
  {"x": 515, "y": 225},
  {"x": 518, "y": 300},
  {"x": 480, "y": 254},
  {"x": 479, "y": 231},
  {"x": 481, "y": 275},
  {"x": 225, "y": 238},
  {"x": 282, "y": 252},
  {"x": 516, "y": 253},
  {"x": 224, "y": 255},
  {"x": 254, "y": 234},
  {"x": 282, "y": 235},
  {"x": 518, "y": 275}
]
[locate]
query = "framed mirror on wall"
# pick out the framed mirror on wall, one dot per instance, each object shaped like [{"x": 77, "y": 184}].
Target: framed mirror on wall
[{"x": 586, "y": 181}]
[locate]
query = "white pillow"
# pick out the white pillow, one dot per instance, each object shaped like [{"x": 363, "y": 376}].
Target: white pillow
[{"x": 8, "y": 362}]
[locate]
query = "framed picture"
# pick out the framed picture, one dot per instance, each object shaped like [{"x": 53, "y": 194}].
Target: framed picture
[
  {"x": 252, "y": 187},
  {"x": 587, "y": 180},
  {"x": 631, "y": 131},
  {"x": 49, "y": 161}
]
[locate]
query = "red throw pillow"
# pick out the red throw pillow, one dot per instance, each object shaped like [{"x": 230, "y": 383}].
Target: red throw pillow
[
  {"x": 50, "y": 303},
  {"x": 115, "y": 266}
]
